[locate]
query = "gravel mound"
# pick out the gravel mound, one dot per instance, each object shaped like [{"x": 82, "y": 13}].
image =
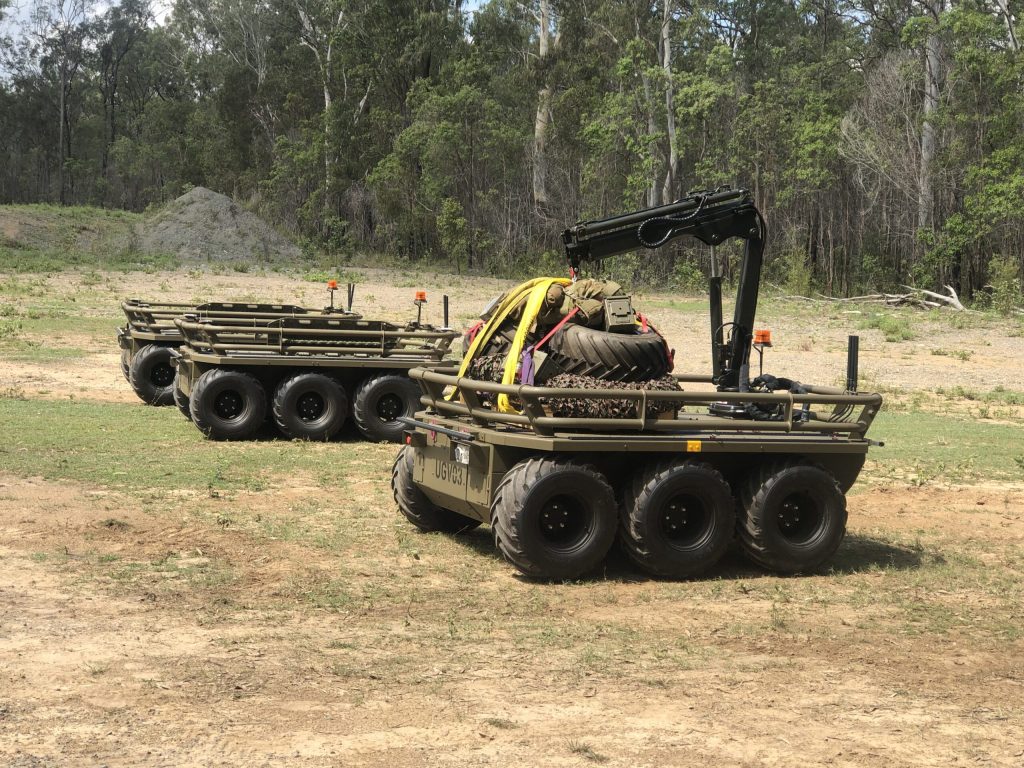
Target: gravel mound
[{"x": 203, "y": 224}]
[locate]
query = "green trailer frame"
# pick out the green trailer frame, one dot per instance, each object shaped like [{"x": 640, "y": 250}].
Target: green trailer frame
[
  {"x": 151, "y": 325},
  {"x": 356, "y": 366}
]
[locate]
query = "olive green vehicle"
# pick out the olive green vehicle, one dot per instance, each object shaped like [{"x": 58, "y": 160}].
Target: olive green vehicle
[
  {"x": 149, "y": 336},
  {"x": 307, "y": 374},
  {"x": 675, "y": 476}
]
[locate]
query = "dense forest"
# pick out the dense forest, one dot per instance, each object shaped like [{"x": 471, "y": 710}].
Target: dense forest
[{"x": 883, "y": 139}]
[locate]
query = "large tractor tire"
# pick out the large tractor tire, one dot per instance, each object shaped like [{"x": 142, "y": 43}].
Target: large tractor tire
[
  {"x": 678, "y": 518},
  {"x": 609, "y": 356},
  {"x": 228, "y": 405},
  {"x": 554, "y": 518},
  {"x": 793, "y": 516},
  {"x": 181, "y": 400},
  {"x": 126, "y": 365},
  {"x": 151, "y": 375},
  {"x": 310, "y": 406},
  {"x": 380, "y": 401},
  {"x": 417, "y": 508}
]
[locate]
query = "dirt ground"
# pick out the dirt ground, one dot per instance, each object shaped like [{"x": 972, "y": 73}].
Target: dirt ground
[{"x": 148, "y": 627}]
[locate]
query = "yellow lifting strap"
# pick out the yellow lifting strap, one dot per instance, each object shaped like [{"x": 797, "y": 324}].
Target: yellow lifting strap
[{"x": 533, "y": 292}]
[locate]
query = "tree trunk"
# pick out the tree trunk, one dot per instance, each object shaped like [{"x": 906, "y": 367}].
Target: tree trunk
[
  {"x": 929, "y": 132},
  {"x": 60, "y": 131},
  {"x": 1004, "y": 10},
  {"x": 652, "y": 128},
  {"x": 542, "y": 120},
  {"x": 670, "y": 188}
]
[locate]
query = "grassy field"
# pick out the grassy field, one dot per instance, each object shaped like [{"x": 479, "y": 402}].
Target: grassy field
[{"x": 168, "y": 600}]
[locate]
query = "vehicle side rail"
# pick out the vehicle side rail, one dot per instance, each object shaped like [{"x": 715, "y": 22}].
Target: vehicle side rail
[
  {"x": 158, "y": 317},
  {"x": 316, "y": 336},
  {"x": 467, "y": 401}
]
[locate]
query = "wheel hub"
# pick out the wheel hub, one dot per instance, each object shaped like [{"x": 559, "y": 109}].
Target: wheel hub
[
  {"x": 228, "y": 405},
  {"x": 562, "y": 523},
  {"x": 310, "y": 406},
  {"x": 390, "y": 407},
  {"x": 162, "y": 375},
  {"x": 684, "y": 520},
  {"x": 799, "y": 517}
]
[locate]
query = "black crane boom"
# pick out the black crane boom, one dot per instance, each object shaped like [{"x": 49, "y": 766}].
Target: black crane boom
[{"x": 712, "y": 218}]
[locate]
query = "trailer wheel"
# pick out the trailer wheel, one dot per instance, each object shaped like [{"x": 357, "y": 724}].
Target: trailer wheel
[
  {"x": 310, "y": 406},
  {"x": 126, "y": 364},
  {"x": 228, "y": 405},
  {"x": 553, "y": 518},
  {"x": 609, "y": 356},
  {"x": 380, "y": 401},
  {"x": 677, "y": 519},
  {"x": 417, "y": 508},
  {"x": 793, "y": 518},
  {"x": 181, "y": 400},
  {"x": 152, "y": 375}
]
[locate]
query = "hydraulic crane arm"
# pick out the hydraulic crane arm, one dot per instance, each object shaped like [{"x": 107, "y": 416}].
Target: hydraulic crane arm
[{"x": 712, "y": 218}]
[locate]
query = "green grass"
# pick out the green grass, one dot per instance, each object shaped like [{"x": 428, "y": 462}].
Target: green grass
[
  {"x": 50, "y": 238},
  {"x": 933, "y": 446},
  {"x": 25, "y": 350},
  {"x": 24, "y": 260},
  {"x": 679, "y": 305},
  {"x": 139, "y": 447},
  {"x": 894, "y": 328}
]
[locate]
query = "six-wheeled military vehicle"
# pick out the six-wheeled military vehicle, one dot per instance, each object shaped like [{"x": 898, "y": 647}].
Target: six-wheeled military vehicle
[
  {"x": 307, "y": 373},
  {"x": 561, "y": 467}
]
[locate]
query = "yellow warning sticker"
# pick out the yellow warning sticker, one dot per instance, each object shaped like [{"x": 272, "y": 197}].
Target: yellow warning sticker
[{"x": 693, "y": 446}]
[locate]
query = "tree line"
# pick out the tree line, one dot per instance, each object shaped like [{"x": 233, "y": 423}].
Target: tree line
[{"x": 883, "y": 139}]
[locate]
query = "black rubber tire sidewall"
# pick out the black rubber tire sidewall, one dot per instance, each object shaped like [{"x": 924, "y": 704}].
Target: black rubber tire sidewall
[
  {"x": 414, "y": 504},
  {"x": 369, "y": 395},
  {"x": 140, "y": 374},
  {"x": 181, "y": 400},
  {"x": 763, "y": 539},
  {"x": 213, "y": 383},
  {"x": 643, "y": 535},
  {"x": 610, "y": 356},
  {"x": 516, "y": 517},
  {"x": 285, "y": 406},
  {"x": 126, "y": 365}
]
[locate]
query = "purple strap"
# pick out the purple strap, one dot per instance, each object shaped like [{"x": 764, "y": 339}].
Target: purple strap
[{"x": 526, "y": 371}]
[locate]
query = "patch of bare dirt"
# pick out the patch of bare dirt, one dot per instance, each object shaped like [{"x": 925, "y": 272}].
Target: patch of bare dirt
[{"x": 222, "y": 671}]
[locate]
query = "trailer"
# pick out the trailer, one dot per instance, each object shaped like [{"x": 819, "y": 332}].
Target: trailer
[
  {"x": 306, "y": 374},
  {"x": 149, "y": 335}
]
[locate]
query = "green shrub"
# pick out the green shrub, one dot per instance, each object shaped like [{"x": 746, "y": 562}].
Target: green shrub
[
  {"x": 688, "y": 277},
  {"x": 1004, "y": 277},
  {"x": 893, "y": 327}
]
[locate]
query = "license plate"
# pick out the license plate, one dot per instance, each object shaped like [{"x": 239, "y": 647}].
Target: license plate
[{"x": 448, "y": 472}]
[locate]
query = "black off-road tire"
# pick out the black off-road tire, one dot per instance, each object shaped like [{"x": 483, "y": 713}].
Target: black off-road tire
[
  {"x": 126, "y": 365},
  {"x": 228, "y": 405},
  {"x": 553, "y": 517},
  {"x": 610, "y": 356},
  {"x": 417, "y": 508},
  {"x": 310, "y": 406},
  {"x": 678, "y": 518},
  {"x": 793, "y": 516},
  {"x": 151, "y": 375},
  {"x": 380, "y": 401},
  {"x": 181, "y": 400}
]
